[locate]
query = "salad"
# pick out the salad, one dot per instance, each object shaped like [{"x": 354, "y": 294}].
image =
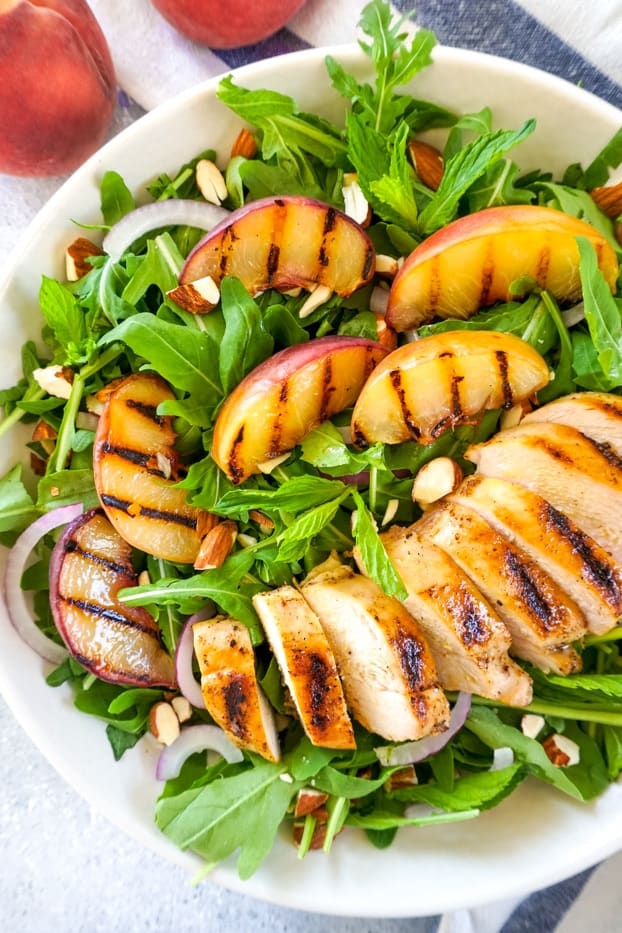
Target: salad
[{"x": 167, "y": 325}]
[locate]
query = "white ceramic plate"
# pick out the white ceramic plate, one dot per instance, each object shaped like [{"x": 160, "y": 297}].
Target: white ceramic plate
[{"x": 533, "y": 839}]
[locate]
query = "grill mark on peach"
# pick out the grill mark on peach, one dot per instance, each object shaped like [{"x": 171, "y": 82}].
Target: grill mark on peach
[
  {"x": 330, "y": 221},
  {"x": 226, "y": 249},
  {"x": 327, "y": 388},
  {"x": 274, "y": 447},
  {"x": 137, "y": 457},
  {"x": 539, "y": 607},
  {"x": 148, "y": 411},
  {"x": 542, "y": 267},
  {"x": 368, "y": 262},
  {"x": 236, "y": 471},
  {"x": 487, "y": 275},
  {"x": 110, "y": 615},
  {"x": 144, "y": 511},
  {"x": 235, "y": 698},
  {"x": 72, "y": 547},
  {"x": 396, "y": 381},
  {"x": 506, "y": 387},
  {"x": 600, "y": 573},
  {"x": 273, "y": 262},
  {"x": 435, "y": 286}
]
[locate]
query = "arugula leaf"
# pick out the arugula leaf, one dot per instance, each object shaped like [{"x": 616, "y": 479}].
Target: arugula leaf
[
  {"x": 578, "y": 204},
  {"x": 184, "y": 357},
  {"x": 610, "y": 156},
  {"x": 602, "y": 314},
  {"x": 242, "y": 813},
  {"x": 295, "y": 495},
  {"x": 17, "y": 509},
  {"x": 245, "y": 343},
  {"x": 116, "y": 198},
  {"x": 480, "y": 791},
  {"x": 465, "y": 168}
]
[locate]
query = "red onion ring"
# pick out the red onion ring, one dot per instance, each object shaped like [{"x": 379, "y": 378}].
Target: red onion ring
[
  {"x": 17, "y": 608},
  {"x": 412, "y": 752},
  {"x": 160, "y": 214},
  {"x": 184, "y": 655},
  {"x": 194, "y": 739}
]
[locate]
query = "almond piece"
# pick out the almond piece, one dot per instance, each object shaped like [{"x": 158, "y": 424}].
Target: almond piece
[
  {"x": 46, "y": 435},
  {"x": 163, "y": 723},
  {"x": 260, "y": 518},
  {"x": 532, "y": 725},
  {"x": 76, "y": 256},
  {"x": 210, "y": 181},
  {"x": 427, "y": 162},
  {"x": 317, "y": 297},
  {"x": 436, "y": 479},
  {"x": 609, "y": 199},
  {"x": 182, "y": 707},
  {"x": 317, "y": 839},
  {"x": 55, "y": 380},
  {"x": 390, "y": 511},
  {"x": 245, "y": 145},
  {"x": 405, "y": 777},
  {"x": 198, "y": 297},
  {"x": 355, "y": 203},
  {"x": 308, "y": 800},
  {"x": 216, "y": 546},
  {"x": 386, "y": 336},
  {"x": 561, "y": 750},
  {"x": 387, "y": 266}
]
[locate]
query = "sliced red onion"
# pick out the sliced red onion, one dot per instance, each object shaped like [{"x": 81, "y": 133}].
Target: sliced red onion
[
  {"x": 194, "y": 739},
  {"x": 19, "y": 613},
  {"x": 413, "y": 752},
  {"x": 378, "y": 300},
  {"x": 184, "y": 655},
  {"x": 167, "y": 213}
]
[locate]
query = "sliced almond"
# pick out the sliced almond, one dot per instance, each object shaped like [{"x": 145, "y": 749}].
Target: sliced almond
[
  {"x": 318, "y": 297},
  {"x": 245, "y": 145},
  {"x": 309, "y": 800},
  {"x": 198, "y": 297},
  {"x": 390, "y": 511},
  {"x": 143, "y": 578},
  {"x": 436, "y": 479},
  {"x": 55, "y": 380},
  {"x": 182, "y": 707},
  {"x": 260, "y": 518},
  {"x": 427, "y": 162},
  {"x": 216, "y": 546},
  {"x": 355, "y": 203},
  {"x": 210, "y": 181},
  {"x": 609, "y": 199},
  {"x": 163, "y": 723},
  {"x": 561, "y": 750},
  {"x": 76, "y": 256},
  {"x": 267, "y": 466}
]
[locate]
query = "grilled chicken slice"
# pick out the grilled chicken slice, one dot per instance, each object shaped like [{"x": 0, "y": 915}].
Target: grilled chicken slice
[
  {"x": 576, "y": 475},
  {"x": 386, "y": 667},
  {"x": 541, "y": 619},
  {"x": 308, "y": 666},
  {"x": 232, "y": 696},
  {"x": 468, "y": 640},
  {"x": 596, "y": 414},
  {"x": 586, "y": 572},
  {"x": 136, "y": 468}
]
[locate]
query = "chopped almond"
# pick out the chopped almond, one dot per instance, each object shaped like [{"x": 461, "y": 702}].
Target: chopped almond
[
  {"x": 245, "y": 145},
  {"x": 308, "y": 800},
  {"x": 428, "y": 163},
  {"x": 216, "y": 546},
  {"x": 183, "y": 709},
  {"x": 76, "y": 258},
  {"x": 436, "y": 479},
  {"x": 405, "y": 777},
  {"x": 561, "y": 750},
  {"x": 609, "y": 199},
  {"x": 163, "y": 723},
  {"x": 199, "y": 297},
  {"x": 318, "y": 297},
  {"x": 210, "y": 181},
  {"x": 260, "y": 518}
]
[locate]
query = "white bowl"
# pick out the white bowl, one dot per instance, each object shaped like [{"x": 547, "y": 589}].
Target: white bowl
[{"x": 534, "y": 838}]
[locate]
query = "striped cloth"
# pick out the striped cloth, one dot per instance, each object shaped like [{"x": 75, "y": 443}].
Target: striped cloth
[{"x": 571, "y": 38}]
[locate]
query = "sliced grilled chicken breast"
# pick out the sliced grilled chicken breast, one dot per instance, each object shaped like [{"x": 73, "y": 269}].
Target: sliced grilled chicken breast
[
  {"x": 136, "y": 468},
  {"x": 576, "y": 475},
  {"x": 587, "y": 573},
  {"x": 541, "y": 618},
  {"x": 308, "y": 666},
  {"x": 387, "y": 670},
  {"x": 233, "y": 698},
  {"x": 468, "y": 640},
  {"x": 596, "y": 414}
]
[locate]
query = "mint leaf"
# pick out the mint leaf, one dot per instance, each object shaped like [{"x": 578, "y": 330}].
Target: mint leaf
[
  {"x": 602, "y": 314},
  {"x": 465, "y": 168},
  {"x": 17, "y": 509},
  {"x": 375, "y": 559},
  {"x": 116, "y": 198},
  {"x": 245, "y": 343}
]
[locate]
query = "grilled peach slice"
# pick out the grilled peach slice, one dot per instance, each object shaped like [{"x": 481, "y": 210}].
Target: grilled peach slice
[
  {"x": 285, "y": 397},
  {"x": 283, "y": 243},
  {"x": 432, "y": 385},
  {"x": 90, "y": 564},
  {"x": 136, "y": 468},
  {"x": 472, "y": 262}
]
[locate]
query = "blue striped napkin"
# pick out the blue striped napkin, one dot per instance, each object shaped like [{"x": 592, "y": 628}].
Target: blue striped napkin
[{"x": 570, "y": 38}]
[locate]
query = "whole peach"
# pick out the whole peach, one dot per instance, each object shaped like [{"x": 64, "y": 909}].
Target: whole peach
[
  {"x": 57, "y": 86},
  {"x": 229, "y": 24}
]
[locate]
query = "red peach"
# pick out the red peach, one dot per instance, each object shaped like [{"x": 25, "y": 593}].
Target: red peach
[
  {"x": 224, "y": 26},
  {"x": 57, "y": 87}
]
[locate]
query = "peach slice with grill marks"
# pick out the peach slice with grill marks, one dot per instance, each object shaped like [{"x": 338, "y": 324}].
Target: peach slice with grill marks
[
  {"x": 121, "y": 644},
  {"x": 284, "y": 243},
  {"x": 472, "y": 262},
  {"x": 427, "y": 387},
  {"x": 285, "y": 397},
  {"x": 136, "y": 468}
]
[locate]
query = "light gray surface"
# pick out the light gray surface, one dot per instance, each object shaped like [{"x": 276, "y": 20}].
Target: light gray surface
[{"x": 65, "y": 868}]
